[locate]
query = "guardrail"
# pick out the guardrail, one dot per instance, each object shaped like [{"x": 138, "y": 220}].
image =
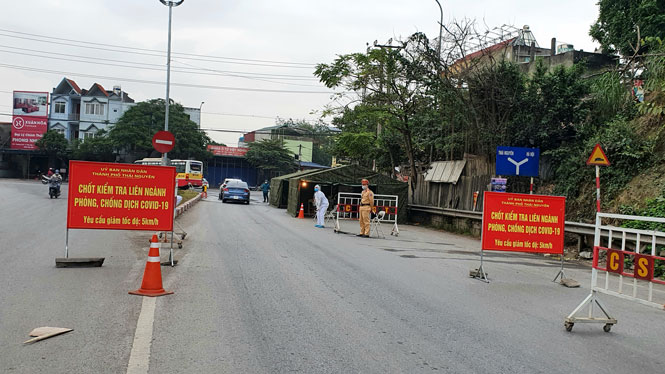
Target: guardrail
[{"x": 571, "y": 227}]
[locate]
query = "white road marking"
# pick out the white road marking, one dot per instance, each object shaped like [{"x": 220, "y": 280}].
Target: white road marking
[{"x": 139, "y": 357}]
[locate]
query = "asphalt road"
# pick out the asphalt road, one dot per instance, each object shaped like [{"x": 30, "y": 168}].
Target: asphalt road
[{"x": 257, "y": 291}]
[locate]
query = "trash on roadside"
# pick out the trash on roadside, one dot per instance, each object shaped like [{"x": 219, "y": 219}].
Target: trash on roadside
[
  {"x": 569, "y": 282},
  {"x": 41, "y": 333}
]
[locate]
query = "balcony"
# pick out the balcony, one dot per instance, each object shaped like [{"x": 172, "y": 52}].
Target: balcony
[{"x": 74, "y": 116}]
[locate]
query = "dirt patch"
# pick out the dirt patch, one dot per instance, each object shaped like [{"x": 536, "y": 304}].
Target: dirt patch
[{"x": 647, "y": 185}]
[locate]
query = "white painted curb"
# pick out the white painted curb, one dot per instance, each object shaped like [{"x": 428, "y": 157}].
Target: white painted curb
[{"x": 183, "y": 207}]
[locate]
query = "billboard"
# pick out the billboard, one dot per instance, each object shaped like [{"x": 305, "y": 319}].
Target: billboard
[
  {"x": 120, "y": 196},
  {"x": 523, "y": 223},
  {"x": 29, "y": 118},
  {"x": 219, "y": 150}
]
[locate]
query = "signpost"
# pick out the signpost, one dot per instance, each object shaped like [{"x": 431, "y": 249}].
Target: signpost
[
  {"x": 598, "y": 158},
  {"x": 112, "y": 196},
  {"x": 518, "y": 161},
  {"x": 163, "y": 141},
  {"x": 522, "y": 223}
]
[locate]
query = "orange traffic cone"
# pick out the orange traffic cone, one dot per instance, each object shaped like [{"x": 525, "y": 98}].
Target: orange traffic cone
[
  {"x": 302, "y": 211},
  {"x": 152, "y": 277}
]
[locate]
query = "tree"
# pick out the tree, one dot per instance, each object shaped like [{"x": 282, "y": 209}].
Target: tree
[
  {"x": 134, "y": 131},
  {"x": 616, "y": 28},
  {"x": 54, "y": 144},
  {"x": 98, "y": 148},
  {"x": 394, "y": 81},
  {"x": 270, "y": 156}
]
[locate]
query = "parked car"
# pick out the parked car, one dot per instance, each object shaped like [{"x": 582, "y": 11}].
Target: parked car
[{"x": 235, "y": 190}]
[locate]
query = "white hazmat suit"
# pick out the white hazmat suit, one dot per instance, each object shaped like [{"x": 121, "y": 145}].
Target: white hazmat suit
[{"x": 321, "y": 206}]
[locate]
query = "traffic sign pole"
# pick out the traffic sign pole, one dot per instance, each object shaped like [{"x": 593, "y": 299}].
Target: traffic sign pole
[
  {"x": 597, "y": 188},
  {"x": 598, "y": 158},
  {"x": 531, "y": 187}
]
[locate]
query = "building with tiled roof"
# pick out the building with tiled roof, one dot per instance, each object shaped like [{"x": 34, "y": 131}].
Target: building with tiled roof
[{"x": 79, "y": 113}]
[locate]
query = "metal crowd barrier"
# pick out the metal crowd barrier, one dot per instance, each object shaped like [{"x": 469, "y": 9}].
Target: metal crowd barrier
[
  {"x": 618, "y": 260},
  {"x": 348, "y": 205}
]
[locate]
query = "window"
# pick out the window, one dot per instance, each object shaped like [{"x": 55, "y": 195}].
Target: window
[
  {"x": 89, "y": 135},
  {"x": 59, "y": 130},
  {"x": 195, "y": 166},
  {"x": 59, "y": 107},
  {"x": 94, "y": 109}
]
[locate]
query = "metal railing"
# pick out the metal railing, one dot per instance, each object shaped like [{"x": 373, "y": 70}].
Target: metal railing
[{"x": 571, "y": 227}]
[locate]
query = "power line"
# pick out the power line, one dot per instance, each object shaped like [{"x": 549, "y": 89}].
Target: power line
[
  {"x": 156, "y": 69},
  {"x": 240, "y": 73},
  {"x": 156, "y": 50},
  {"x": 58, "y": 72},
  {"x": 211, "y": 59}
]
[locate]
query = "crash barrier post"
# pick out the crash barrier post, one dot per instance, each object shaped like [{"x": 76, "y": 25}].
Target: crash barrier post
[
  {"x": 521, "y": 223},
  {"x": 348, "y": 204},
  {"x": 110, "y": 196},
  {"x": 643, "y": 258}
]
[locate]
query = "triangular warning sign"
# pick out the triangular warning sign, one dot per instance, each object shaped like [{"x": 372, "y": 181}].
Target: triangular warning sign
[{"x": 598, "y": 157}]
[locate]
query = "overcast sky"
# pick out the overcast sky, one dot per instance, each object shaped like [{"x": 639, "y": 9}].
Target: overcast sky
[{"x": 295, "y": 34}]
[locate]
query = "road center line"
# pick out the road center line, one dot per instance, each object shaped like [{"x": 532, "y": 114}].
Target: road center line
[{"x": 139, "y": 357}]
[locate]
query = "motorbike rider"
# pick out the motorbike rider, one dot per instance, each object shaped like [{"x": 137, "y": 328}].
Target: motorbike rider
[{"x": 55, "y": 180}]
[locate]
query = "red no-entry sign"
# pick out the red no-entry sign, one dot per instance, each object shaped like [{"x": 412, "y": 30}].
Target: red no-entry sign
[{"x": 163, "y": 141}]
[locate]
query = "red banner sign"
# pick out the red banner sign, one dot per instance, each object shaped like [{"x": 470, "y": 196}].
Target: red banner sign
[
  {"x": 26, "y": 131},
  {"x": 523, "y": 223},
  {"x": 30, "y": 118},
  {"x": 219, "y": 150},
  {"x": 120, "y": 196}
]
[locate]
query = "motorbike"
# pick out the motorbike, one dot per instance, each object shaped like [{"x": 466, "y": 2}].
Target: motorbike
[
  {"x": 53, "y": 192},
  {"x": 53, "y": 187}
]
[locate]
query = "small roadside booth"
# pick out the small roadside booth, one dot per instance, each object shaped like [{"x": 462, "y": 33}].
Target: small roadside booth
[
  {"x": 279, "y": 187},
  {"x": 341, "y": 179}
]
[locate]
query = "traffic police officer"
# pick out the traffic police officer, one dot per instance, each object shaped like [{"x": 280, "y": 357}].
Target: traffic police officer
[{"x": 366, "y": 205}]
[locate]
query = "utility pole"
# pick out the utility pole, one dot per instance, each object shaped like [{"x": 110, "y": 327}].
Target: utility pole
[
  {"x": 200, "y": 114},
  {"x": 300, "y": 157},
  {"x": 389, "y": 45},
  {"x": 170, "y": 4},
  {"x": 438, "y": 70}
]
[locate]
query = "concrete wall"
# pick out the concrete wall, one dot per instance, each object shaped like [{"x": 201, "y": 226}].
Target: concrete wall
[
  {"x": 293, "y": 146},
  {"x": 194, "y": 115}
]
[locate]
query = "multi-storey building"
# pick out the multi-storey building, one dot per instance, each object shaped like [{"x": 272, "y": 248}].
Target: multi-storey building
[{"x": 80, "y": 113}]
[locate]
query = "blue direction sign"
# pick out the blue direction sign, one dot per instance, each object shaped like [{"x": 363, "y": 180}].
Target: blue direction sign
[{"x": 517, "y": 161}]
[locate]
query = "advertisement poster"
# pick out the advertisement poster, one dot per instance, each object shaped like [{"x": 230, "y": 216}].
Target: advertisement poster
[
  {"x": 523, "y": 223},
  {"x": 498, "y": 184},
  {"x": 29, "y": 119},
  {"x": 120, "y": 196},
  {"x": 219, "y": 150}
]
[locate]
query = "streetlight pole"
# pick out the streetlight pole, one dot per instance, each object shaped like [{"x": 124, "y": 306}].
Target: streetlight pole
[
  {"x": 170, "y": 4},
  {"x": 438, "y": 48},
  {"x": 200, "y": 114}
]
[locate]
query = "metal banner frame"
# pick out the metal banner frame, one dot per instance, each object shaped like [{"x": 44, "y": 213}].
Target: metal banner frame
[
  {"x": 349, "y": 202},
  {"x": 480, "y": 272},
  {"x": 623, "y": 234}
]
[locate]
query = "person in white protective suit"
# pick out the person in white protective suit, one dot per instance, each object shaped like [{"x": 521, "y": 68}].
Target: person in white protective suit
[{"x": 321, "y": 203}]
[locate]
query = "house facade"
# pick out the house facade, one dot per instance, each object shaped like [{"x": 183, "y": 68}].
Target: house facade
[
  {"x": 79, "y": 113},
  {"x": 65, "y": 109}
]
